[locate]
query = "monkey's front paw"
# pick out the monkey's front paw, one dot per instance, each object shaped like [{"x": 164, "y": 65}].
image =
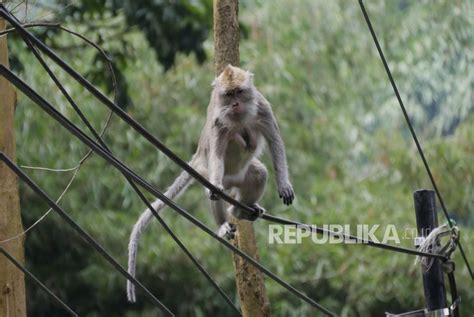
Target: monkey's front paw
[
  {"x": 213, "y": 195},
  {"x": 227, "y": 230},
  {"x": 286, "y": 193}
]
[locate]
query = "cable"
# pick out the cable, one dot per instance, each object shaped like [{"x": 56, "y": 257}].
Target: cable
[
  {"x": 37, "y": 281},
  {"x": 412, "y": 130},
  {"x": 137, "y": 190},
  {"x": 35, "y": 97}
]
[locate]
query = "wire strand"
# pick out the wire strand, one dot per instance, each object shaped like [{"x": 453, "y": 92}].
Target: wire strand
[
  {"x": 37, "y": 282},
  {"x": 412, "y": 130},
  {"x": 45, "y": 214}
]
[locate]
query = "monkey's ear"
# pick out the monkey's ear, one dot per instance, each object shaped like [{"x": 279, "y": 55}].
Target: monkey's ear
[{"x": 214, "y": 82}]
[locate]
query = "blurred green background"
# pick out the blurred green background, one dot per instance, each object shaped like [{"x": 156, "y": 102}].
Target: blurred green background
[{"x": 352, "y": 160}]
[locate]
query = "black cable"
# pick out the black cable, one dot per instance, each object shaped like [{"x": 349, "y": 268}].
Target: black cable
[
  {"x": 137, "y": 190},
  {"x": 412, "y": 130},
  {"x": 163, "y": 148},
  {"x": 37, "y": 281},
  {"x": 40, "y": 101}
]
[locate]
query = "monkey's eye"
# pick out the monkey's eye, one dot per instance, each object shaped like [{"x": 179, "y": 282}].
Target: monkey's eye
[
  {"x": 229, "y": 93},
  {"x": 238, "y": 91}
]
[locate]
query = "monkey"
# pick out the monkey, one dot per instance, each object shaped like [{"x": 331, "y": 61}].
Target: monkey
[{"x": 239, "y": 124}]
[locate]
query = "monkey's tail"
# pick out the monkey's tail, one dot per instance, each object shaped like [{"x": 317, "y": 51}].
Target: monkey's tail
[{"x": 179, "y": 185}]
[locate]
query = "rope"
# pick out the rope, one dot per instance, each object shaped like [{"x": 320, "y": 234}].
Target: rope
[
  {"x": 37, "y": 281},
  {"x": 412, "y": 130},
  {"x": 28, "y": 91},
  {"x": 432, "y": 243}
]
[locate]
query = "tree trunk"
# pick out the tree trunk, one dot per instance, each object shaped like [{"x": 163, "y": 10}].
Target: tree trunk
[
  {"x": 12, "y": 283},
  {"x": 249, "y": 280}
]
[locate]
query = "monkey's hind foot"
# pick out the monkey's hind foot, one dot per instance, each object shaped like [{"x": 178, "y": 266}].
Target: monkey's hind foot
[
  {"x": 246, "y": 215},
  {"x": 227, "y": 230}
]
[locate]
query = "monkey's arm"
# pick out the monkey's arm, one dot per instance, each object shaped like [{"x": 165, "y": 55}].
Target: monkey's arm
[
  {"x": 271, "y": 132},
  {"x": 216, "y": 161}
]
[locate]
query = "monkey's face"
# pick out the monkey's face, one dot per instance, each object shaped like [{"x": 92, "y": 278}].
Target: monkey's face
[
  {"x": 236, "y": 92},
  {"x": 237, "y": 103}
]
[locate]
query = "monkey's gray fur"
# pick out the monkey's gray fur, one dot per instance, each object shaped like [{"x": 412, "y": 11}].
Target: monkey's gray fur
[{"x": 239, "y": 121}]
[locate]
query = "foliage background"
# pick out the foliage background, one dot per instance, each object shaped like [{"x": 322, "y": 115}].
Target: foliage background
[{"x": 352, "y": 160}]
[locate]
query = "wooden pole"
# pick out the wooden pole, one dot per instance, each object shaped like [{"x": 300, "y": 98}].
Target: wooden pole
[
  {"x": 433, "y": 278},
  {"x": 12, "y": 283},
  {"x": 249, "y": 280}
]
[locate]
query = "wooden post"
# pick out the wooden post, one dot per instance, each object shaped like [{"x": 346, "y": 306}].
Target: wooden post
[
  {"x": 12, "y": 283},
  {"x": 433, "y": 279},
  {"x": 249, "y": 280}
]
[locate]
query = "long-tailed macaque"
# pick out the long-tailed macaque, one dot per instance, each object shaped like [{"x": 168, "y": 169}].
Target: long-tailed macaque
[{"x": 239, "y": 121}]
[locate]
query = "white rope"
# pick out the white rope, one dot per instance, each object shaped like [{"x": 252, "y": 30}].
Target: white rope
[{"x": 432, "y": 244}]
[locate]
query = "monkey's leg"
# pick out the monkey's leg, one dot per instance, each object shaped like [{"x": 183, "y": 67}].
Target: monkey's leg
[
  {"x": 250, "y": 190},
  {"x": 226, "y": 229}
]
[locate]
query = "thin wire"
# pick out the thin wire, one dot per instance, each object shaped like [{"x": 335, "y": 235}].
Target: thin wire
[
  {"x": 36, "y": 281},
  {"x": 59, "y": 10},
  {"x": 89, "y": 152},
  {"x": 82, "y": 233},
  {"x": 44, "y": 215},
  {"x": 73, "y": 129},
  {"x": 137, "y": 190},
  {"x": 412, "y": 130}
]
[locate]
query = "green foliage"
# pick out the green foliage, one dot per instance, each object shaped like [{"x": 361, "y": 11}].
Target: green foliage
[
  {"x": 170, "y": 27},
  {"x": 351, "y": 158}
]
